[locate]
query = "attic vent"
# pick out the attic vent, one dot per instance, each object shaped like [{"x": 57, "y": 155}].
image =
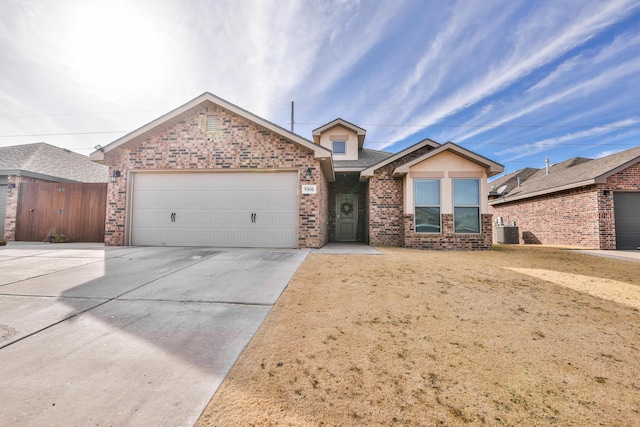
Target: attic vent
[{"x": 212, "y": 123}]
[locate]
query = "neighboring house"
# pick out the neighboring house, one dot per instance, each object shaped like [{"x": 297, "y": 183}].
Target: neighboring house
[
  {"x": 579, "y": 202},
  {"x": 39, "y": 163},
  {"x": 213, "y": 174}
]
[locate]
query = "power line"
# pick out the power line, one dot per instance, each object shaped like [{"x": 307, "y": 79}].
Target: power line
[
  {"x": 64, "y": 134},
  {"x": 489, "y": 126},
  {"x": 381, "y": 125},
  {"x": 79, "y": 114},
  {"x": 311, "y": 104}
]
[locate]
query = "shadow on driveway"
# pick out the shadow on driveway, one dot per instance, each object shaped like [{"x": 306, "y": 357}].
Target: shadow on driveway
[{"x": 127, "y": 336}]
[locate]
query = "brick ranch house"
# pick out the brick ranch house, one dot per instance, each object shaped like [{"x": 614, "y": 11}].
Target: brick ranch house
[
  {"x": 210, "y": 173},
  {"x": 579, "y": 202}
]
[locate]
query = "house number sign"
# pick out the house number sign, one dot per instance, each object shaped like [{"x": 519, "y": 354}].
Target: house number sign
[{"x": 309, "y": 189}]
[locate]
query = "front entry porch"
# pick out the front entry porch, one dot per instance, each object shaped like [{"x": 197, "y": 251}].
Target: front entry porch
[{"x": 348, "y": 216}]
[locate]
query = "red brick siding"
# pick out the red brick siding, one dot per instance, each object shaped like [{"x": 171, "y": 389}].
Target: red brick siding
[
  {"x": 627, "y": 179},
  {"x": 313, "y": 231},
  {"x": 448, "y": 239},
  {"x": 581, "y": 217},
  {"x": 386, "y": 212},
  {"x": 564, "y": 218},
  {"x": 238, "y": 144}
]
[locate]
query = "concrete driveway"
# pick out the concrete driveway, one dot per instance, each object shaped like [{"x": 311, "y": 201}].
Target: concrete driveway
[{"x": 91, "y": 335}]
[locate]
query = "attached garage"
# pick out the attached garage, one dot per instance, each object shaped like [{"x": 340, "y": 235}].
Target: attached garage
[
  {"x": 212, "y": 174},
  {"x": 226, "y": 209},
  {"x": 627, "y": 214}
]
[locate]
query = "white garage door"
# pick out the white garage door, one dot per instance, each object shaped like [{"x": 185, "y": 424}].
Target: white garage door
[{"x": 231, "y": 209}]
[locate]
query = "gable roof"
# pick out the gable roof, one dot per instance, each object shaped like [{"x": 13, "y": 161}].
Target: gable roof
[
  {"x": 47, "y": 162},
  {"x": 340, "y": 122},
  {"x": 117, "y": 147},
  {"x": 370, "y": 171},
  {"x": 572, "y": 173},
  {"x": 491, "y": 167}
]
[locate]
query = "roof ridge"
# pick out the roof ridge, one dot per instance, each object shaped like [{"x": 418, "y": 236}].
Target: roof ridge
[
  {"x": 571, "y": 173},
  {"x": 33, "y": 155}
]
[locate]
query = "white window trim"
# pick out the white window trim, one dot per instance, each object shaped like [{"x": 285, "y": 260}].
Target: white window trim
[
  {"x": 439, "y": 205},
  {"x": 454, "y": 206},
  {"x": 333, "y": 144}
]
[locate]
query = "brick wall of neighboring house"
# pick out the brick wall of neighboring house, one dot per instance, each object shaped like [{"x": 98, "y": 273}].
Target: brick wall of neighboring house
[
  {"x": 348, "y": 184},
  {"x": 386, "y": 213},
  {"x": 448, "y": 239},
  {"x": 564, "y": 218},
  {"x": 625, "y": 180},
  {"x": 12, "y": 206},
  {"x": 581, "y": 217},
  {"x": 237, "y": 144}
]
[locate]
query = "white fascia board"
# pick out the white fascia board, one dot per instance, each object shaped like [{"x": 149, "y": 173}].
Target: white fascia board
[
  {"x": 351, "y": 169},
  {"x": 370, "y": 171},
  {"x": 491, "y": 166}
]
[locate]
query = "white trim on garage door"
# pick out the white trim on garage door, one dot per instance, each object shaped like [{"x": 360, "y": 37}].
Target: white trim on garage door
[{"x": 225, "y": 209}]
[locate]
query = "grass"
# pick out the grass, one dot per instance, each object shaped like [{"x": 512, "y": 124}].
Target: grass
[{"x": 440, "y": 338}]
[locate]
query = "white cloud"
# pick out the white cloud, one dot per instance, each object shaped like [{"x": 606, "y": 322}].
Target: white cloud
[
  {"x": 525, "y": 150},
  {"x": 529, "y": 50},
  {"x": 576, "y": 79},
  {"x": 401, "y": 65}
]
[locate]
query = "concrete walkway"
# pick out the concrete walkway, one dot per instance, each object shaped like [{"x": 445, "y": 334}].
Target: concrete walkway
[
  {"x": 347, "y": 248},
  {"x": 624, "y": 255},
  {"x": 127, "y": 336}
]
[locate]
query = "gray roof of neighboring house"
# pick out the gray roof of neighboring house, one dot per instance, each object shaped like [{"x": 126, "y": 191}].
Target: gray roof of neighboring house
[
  {"x": 571, "y": 173},
  {"x": 508, "y": 182},
  {"x": 45, "y": 161},
  {"x": 366, "y": 158}
]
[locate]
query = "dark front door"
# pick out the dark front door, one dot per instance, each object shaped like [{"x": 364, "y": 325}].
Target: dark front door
[{"x": 346, "y": 217}]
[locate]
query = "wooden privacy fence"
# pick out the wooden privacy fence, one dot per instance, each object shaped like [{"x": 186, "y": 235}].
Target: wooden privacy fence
[{"x": 73, "y": 209}]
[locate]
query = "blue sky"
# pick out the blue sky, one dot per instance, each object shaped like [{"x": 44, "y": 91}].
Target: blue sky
[{"x": 515, "y": 81}]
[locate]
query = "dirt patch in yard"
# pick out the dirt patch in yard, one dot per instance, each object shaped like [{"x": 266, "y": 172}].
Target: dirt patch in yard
[{"x": 518, "y": 335}]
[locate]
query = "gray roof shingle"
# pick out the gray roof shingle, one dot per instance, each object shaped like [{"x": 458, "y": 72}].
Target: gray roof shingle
[
  {"x": 568, "y": 174},
  {"x": 366, "y": 158},
  {"x": 50, "y": 162}
]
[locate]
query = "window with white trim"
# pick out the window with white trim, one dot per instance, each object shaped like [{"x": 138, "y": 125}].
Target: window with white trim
[
  {"x": 427, "y": 205},
  {"x": 340, "y": 147},
  {"x": 466, "y": 205}
]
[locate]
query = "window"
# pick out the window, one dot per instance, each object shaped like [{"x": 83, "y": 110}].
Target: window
[
  {"x": 340, "y": 147},
  {"x": 427, "y": 205},
  {"x": 466, "y": 205}
]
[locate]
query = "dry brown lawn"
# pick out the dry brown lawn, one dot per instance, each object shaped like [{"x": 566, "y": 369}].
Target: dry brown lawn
[{"x": 515, "y": 336}]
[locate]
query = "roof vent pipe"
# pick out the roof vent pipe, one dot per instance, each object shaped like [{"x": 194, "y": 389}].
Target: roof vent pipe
[
  {"x": 518, "y": 182},
  {"x": 547, "y": 162}
]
